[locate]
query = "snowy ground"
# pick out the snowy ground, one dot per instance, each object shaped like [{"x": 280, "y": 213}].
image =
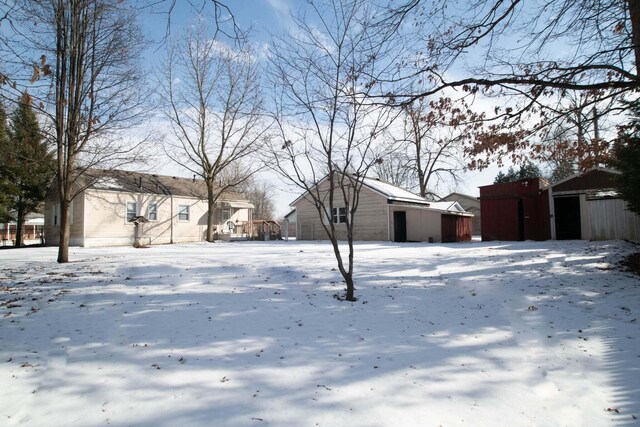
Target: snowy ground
[{"x": 249, "y": 334}]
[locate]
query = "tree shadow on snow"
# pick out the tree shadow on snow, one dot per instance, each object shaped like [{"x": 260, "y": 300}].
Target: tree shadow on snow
[{"x": 240, "y": 340}]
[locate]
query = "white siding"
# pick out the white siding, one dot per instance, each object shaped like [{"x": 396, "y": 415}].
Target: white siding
[{"x": 609, "y": 219}]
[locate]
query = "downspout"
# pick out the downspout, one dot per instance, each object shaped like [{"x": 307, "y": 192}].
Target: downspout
[
  {"x": 171, "y": 219},
  {"x": 388, "y": 222},
  {"x": 84, "y": 220},
  {"x": 552, "y": 215}
]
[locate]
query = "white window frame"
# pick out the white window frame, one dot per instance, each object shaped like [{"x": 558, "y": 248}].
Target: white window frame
[
  {"x": 71, "y": 212},
  {"x": 127, "y": 211},
  {"x": 183, "y": 210},
  {"x": 153, "y": 211},
  {"x": 339, "y": 215},
  {"x": 228, "y": 215}
]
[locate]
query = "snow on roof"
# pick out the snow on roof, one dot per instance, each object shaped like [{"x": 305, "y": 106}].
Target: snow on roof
[
  {"x": 447, "y": 206},
  {"x": 604, "y": 194},
  {"x": 107, "y": 183},
  {"x": 393, "y": 192},
  {"x": 35, "y": 221}
]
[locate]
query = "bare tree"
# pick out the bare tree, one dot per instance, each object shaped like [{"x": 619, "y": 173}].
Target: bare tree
[
  {"x": 213, "y": 104},
  {"x": 519, "y": 43},
  {"x": 530, "y": 56},
  {"x": 260, "y": 194},
  {"x": 323, "y": 70},
  {"x": 89, "y": 49},
  {"x": 223, "y": 19},
  {"x": 577, "y": 142},
  {"x": 397, "y": 169},
  {"x": 434, "y": 134},
  {"x": 95, "y": 95}
]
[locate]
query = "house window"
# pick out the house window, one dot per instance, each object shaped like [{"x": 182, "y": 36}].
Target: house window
[
  {"x": 226, "y": 215},
  {"x": 183, "y": 213},
  {"x": 152, "y": 212},
  {"x": 132, "y": 210},
  {"x": 339, "y": 215}
]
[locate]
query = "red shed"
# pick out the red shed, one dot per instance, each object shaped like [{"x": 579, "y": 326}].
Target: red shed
[{"x": 516, "y": 210}]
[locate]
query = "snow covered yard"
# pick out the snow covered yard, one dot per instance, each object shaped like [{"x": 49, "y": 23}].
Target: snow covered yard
[{"x": 249, "y": 334}]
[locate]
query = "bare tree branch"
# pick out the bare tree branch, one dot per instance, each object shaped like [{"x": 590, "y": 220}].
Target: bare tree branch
[
  {"x": 214, "y": 107},
  {"x": 323, "y": 74}
]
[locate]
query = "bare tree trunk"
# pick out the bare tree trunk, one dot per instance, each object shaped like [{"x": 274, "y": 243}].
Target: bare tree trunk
[
  {"x": 65, "y": 231},
  {"x": 634, "y": 15},
  {"x": 210, "y": 211},
  {"x": 347, "y": 274},
  {"x": 351, "y": 289},
  {"x": 19, "y": 226}
]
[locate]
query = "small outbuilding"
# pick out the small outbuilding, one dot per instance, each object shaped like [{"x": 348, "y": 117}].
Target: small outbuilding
[
  {"x": 584, "y": 206},
  {"x": 515, "y": 211},
  {"x": 470, "y": 204},
  {"x": 387, "y": 212},
  {"x": 588, "y": 206}
]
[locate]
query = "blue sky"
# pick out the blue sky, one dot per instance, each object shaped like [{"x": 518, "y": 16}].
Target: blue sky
[{"x": 265, "y": 17}]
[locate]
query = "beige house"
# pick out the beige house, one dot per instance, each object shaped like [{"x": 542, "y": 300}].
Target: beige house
[
  {"x": 175, "y": 208},
  {"x": 386, "y": 212}
]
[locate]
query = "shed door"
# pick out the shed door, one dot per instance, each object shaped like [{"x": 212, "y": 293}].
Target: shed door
[
  {"x": 399, "y": 226},
  {"x": 521, "y": 220},
  {"x": 567, "y": 218},
  {"x": 448, "y": 223}
]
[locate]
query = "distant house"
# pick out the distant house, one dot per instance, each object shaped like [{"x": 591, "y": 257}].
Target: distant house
[
  {"x": 32, "y": 230},
  {"x": 386, "y": 212},
  {"x": 176, "y": 210},
  {"x": 289, "y": 224},
  {"x": 469, "y": 204},
  {"x": 588, "y": 206}
]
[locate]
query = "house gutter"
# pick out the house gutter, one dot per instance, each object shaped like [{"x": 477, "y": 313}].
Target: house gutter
[
  {"x": 84, "y": 219},
  {"x": 552, "y": 214}
]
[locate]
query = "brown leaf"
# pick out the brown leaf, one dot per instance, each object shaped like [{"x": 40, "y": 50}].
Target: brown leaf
[{"x": 36, "y": 74}]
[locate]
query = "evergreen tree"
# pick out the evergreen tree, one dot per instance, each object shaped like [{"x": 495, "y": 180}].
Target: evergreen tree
[
  {"x": 627, "y": 159},
  {"x": 503, "y": 177},
  {"x": 5, "y": 199},
  {"x": 28, "y": 165},
  {"x": 526, "y": 171}
]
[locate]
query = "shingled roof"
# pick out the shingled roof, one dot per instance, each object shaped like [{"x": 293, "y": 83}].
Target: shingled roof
[{"x": 137, "y": 182}]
